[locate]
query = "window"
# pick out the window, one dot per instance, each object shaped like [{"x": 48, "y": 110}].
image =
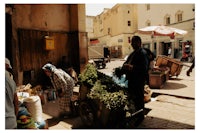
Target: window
[
  {"x": 193, "y": 25},
  {"x": 129, "y": 23},
  {"x": 179, "y": 16},
  {"x": 129, "y": 39},
  {"x": 148, "y": 23},
  {"x": 128, "y": 11},
  {"x": 108, "y": 31},
  {"x": 120, "y": 40},
  {"x": 168, "y": 20},
  {"x": 147, "y": 7}
]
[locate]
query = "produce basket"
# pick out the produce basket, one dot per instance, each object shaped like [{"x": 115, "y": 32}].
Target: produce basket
[{"x": 104, "y": 101}]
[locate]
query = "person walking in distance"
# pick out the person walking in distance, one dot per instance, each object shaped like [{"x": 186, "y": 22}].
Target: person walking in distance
[
  {"x": 191, "y": 67},
  {"x": 136, "y": 69}
]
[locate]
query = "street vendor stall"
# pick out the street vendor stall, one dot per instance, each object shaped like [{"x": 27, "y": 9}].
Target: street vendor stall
[
  {"x": 30, "y": 108},
  {"x": 103, "y": 101},
  {"x": 165, "y": 67}
]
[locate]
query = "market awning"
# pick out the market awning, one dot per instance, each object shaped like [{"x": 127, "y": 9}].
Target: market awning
[
  {"x": 161, "y": 31},
  {"x": 94, "y": 41}
]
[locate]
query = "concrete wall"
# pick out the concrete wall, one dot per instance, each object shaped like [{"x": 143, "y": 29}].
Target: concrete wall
[{"x": 42, "y": 16}]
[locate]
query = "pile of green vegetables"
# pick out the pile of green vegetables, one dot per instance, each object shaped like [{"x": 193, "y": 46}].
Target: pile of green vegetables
[{"x": 103, "y": 87}]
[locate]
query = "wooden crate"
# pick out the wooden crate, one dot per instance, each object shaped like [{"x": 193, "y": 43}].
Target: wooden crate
[
  {"x": 162, "y": 61},
  {"x": 157, "y": 81},
  {"x": 174, "y": 65},
  {"x": 176, "y": 68}
]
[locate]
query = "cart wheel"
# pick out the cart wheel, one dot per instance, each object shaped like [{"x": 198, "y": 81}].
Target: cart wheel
[
  {"x": 104, "y": 65},
  {"x": 86, "y": 114},
  {"x": 98, "y": 66}
]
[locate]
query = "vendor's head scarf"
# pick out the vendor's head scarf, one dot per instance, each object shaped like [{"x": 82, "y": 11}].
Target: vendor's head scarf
[
  {"x": 7, "y": 62},
  {"x": 48, "y": 67}
]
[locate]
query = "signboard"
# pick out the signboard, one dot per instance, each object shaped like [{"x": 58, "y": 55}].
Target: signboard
[{"x": 49, "y": 43}]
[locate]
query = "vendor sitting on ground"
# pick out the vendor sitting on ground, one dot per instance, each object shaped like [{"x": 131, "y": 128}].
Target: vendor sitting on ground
[{"x": 63, "y": 83}]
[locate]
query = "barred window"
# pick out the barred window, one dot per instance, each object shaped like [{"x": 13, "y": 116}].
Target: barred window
[
  {"x": 168, "y": 20},
  {"x": 129, "y": 23},
  {"x": 179, "y": 16}
]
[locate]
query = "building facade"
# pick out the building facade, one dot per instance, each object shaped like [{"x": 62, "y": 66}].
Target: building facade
[
  {"x": 181, "y": 16},
  {"x": 114, "y": 27},
  {"x": 28, "y": 26}
]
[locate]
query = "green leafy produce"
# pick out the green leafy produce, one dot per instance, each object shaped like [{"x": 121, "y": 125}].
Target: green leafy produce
[
  {"x": 112, "y": 100},
  {"x": 103, "y": 88},
  {"x": 89, "y": 76}
]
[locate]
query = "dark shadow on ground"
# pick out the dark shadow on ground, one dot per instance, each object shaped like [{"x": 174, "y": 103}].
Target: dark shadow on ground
[
  {"x": 154, "y": 94},
  {"x": 148, "y": 123},
  {"x": 172, "y": 86},
  {"x": 75, "y": 122},
  {"x": 52, "y": 122},
  {"x": 175, "y": 78}
]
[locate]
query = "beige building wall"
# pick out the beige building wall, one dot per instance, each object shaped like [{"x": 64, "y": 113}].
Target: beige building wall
[
  {"x": 157, "y": 12},
  {"x": 111, "y": 26},
  {"x": 156, "y": 16},
  {"x": 89, "y": 26}
]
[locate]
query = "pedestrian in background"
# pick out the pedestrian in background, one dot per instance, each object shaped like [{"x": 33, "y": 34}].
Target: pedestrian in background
[
  {"x": 169, "y": 51},
  {"x": 191, "y": 67},
  {"x": 11, "y": 99},
  {"x": 63, "y": 84},
  {"x": 136, "y": 69}
]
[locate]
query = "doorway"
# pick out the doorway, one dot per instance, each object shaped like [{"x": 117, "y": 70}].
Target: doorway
[{"x": 165, "y": 47}]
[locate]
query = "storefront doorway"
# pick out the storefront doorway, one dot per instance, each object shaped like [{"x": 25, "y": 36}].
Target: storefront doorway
[{"x": 165, "y": 46}]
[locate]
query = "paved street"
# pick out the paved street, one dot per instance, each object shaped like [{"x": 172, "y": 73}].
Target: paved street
[{"x": 171, "y": 107}]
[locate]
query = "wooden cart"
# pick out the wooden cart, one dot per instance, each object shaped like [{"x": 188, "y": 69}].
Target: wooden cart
[{"x": 174, "y": 65}]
